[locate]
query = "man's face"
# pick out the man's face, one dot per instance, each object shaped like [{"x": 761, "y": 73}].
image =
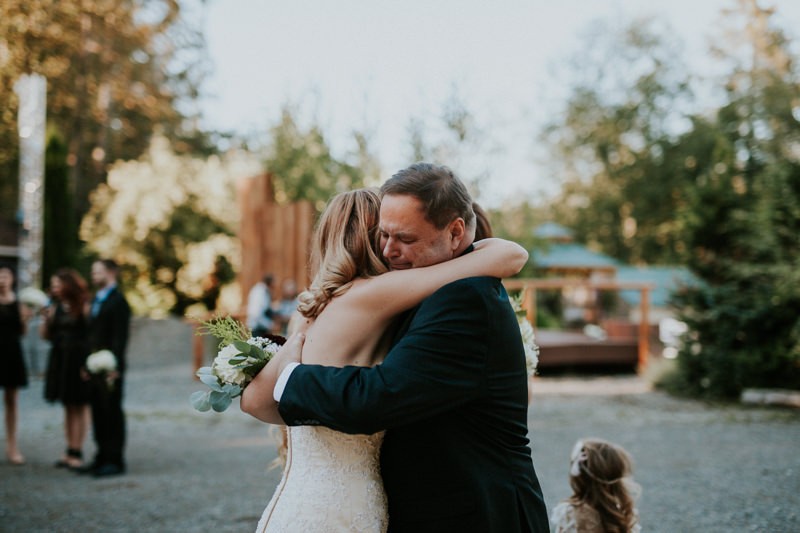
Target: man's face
[
  {"x": 100, "y": 275},
  {"x": 408, "y": 240}
]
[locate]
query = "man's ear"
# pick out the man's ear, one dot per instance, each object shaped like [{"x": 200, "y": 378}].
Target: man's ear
[{"x": 457, "y": 231}]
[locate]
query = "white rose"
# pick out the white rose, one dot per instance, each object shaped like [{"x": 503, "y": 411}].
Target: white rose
[
  {"x": 228, "y": 373},
  {"x": 223, "y": 369}
]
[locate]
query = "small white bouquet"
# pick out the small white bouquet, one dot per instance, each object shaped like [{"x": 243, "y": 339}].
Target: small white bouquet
[
  {"x": 102, "y": 362},
  {"x": 528, "y": 336},
  {"x": 240, "y": 357},
  {"x": 33, "y": 298}
]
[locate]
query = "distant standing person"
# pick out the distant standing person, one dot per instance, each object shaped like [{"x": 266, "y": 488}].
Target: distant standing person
[
  {"x": 287, "y": 305},
  {"x": 109, "y": 325},
  {"x": 66, "y": 328},
  {"x": 260, "y": 315},
  {"x": 12, "y": 364}
]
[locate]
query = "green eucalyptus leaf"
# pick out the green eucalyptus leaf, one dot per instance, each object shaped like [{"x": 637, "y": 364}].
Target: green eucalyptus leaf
[
  {"x": 200, "y": 400},
  {"x": 210, "y": 380},
  {"x": 204, "y": 370},
  {"x": 242, "y": 346},
  {"x": 219, "y": 401},
  {"x": 232, "y": 390}
]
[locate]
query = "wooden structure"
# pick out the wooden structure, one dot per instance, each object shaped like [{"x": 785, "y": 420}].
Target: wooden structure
[
  {"x": 274, "y": 238},
  {"x": 528, "y": 287}
]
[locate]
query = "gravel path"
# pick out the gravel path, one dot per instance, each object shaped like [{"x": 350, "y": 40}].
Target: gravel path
[{"x": 702, "y": 467}]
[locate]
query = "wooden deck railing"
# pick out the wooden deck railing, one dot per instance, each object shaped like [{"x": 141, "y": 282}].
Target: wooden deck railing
[{"x": 529, "y": 286}]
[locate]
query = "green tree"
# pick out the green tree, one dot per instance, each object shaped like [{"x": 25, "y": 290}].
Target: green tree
[
  {"x": 304, "y": 168},
  {"x": 455, "y": 139},
  {"x": 720, "y": 193},
  {"x": 171, "y": 220},
  {"x": 116, "y": 72},
  {"x": 60, "y": 231},
  {"x": 743, "y": 221},
  {"x": 614, "y": 148}
]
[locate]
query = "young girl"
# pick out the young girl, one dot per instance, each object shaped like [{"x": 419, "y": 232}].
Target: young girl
[{"x": 602, "y": 491}]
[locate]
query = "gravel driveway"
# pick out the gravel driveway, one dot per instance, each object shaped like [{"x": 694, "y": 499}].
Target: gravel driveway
[{"x": 710, "y": 468}]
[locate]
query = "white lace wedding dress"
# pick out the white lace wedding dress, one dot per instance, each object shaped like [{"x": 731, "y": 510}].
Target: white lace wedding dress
[{"x": 331, "y": 482}]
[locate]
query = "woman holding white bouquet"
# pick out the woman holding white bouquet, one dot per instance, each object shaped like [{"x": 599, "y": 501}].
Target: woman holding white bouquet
[{"x": 332, "y": 480}]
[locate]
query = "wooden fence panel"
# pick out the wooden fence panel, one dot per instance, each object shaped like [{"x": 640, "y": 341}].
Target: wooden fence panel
[{"x": 274, "y": 238}]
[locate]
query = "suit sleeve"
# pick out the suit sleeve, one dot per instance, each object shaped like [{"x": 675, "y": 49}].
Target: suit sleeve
[
  {"x": 120, "y": 324},
  {"x": 437, "y": 365}
]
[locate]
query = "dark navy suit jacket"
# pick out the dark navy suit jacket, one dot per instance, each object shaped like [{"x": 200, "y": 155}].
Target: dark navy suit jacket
[{"x": 452, "y": 393}]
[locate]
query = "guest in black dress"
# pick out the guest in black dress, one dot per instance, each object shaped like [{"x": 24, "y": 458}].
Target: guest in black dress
[
  {"x": 66, "y": 326},
  {"x": 12, "y": 365}
]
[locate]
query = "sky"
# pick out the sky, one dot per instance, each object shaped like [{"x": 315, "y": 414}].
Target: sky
[{"x": 374, "y": 65}]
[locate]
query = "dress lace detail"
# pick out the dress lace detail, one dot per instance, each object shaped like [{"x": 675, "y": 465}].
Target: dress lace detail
[
  {"x": 331, "y": 482},
  {"x": 567, "y": 518}
]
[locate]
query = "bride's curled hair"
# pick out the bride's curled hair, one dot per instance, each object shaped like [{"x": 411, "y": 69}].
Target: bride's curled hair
[{"x": 346, "y": 246}]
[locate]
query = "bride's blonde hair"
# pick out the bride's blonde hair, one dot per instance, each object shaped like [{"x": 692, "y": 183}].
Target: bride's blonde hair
[{"x": 346, "y": 246}]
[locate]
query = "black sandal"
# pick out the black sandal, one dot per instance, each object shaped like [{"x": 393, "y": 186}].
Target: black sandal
[{"x": 71, "y": 453}]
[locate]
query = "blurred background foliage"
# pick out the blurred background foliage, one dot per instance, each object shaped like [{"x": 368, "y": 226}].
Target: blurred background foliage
[
  {"x": 168, "y": 218},
  {"x": 649, "y": 180},
  {"x": 649, "y": 172}
]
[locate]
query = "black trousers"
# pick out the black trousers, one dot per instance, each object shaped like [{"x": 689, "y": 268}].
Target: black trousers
[{"x": 108, "y": 421}]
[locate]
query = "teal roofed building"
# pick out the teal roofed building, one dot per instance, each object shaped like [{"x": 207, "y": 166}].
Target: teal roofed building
[
  {"x": 665, "y": 279},
  {"x": 563, "y": 257}
]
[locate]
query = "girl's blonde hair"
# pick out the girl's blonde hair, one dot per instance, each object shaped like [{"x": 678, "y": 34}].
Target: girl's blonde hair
[
  {"x": 600, "y": 477},
  {"x": 346, "y": 246}
]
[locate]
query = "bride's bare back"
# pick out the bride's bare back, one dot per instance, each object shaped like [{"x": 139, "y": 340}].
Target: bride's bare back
[{"x": 346, "y": 333}]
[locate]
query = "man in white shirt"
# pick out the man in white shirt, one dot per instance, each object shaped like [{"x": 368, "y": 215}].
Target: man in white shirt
[{"x": 260, "y": 316}]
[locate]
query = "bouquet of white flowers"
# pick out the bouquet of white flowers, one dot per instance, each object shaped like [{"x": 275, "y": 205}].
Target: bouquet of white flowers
[
  {"x": 528, "y": 336},
  {"x": 33, "y": 297},
  {"x": 102, "y": 363},
  {"x": 240, "y": 357}
]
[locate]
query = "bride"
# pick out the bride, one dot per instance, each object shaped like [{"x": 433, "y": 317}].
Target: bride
[{"x": 331, "y": 480}]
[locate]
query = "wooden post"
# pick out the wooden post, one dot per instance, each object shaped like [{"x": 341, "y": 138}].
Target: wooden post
[
  {"x": 644, "y": 329},
  {"x": 274, "y": 238},
  {"x": 198, "y": 346},
  {"x": 530, "y": 303}
]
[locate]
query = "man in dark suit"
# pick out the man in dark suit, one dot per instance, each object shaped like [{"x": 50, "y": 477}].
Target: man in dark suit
[
  {"x": 109, "y": 324},
  {"x": 451, "y": 393}
]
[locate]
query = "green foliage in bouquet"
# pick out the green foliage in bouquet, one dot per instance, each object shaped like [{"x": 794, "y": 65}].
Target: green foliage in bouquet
[
  {"x": 240, "y": 357},
  {"x": 225, "y": 328}
]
